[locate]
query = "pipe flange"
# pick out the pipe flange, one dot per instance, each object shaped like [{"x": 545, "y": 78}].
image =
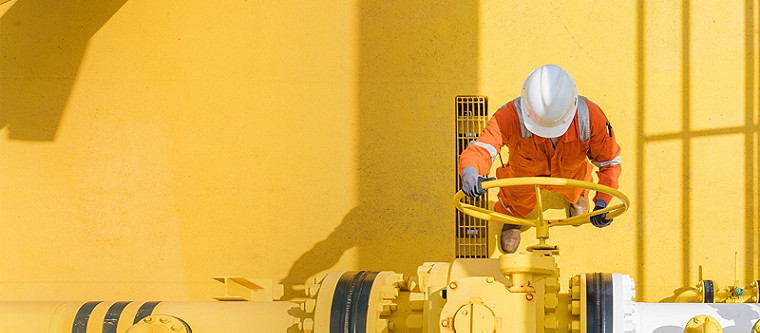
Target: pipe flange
[
  {"x": 383, "y": 299},
  {"x": 624, "y": 289},
  {"x": 703, "y": 323},
  {"x": 574, "y": 308},
  {"x": 160, "y": 323},
  {"x": 707, "y": 291},
  {"x": 319, "y": 291},
  {"x": 599, "y": 312},
  {"x": 351, "y": 302},
  {"x": 359, "y": 301},
  {"x": 308, "y": 306},
  {"x": 755, "y": 286},
  {"x": 551, "y": 301}
]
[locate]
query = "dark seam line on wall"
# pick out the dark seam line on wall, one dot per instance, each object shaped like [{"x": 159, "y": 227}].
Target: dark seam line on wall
[
  {"x": 750, "y": 143},
  {"x": 640, "y": 149},
  {"x": 686, "y": 143},
  {"x": 748, "y": 129}
]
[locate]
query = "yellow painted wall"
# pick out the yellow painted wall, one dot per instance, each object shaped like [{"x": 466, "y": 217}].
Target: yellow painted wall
[{"x": 148, "y": 145}]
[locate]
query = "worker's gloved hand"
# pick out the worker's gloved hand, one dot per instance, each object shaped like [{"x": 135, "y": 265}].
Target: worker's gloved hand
[
  {"x": 471, "y": 182},
  {"x": 601, "y": 220}
]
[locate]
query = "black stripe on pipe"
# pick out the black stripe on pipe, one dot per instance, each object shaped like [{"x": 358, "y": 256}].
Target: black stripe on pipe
[
  {"x": 349, "y": 325},
  {"x": 187, "y": 327},
  {"x": 111, "y": 320},
  {"x": 708, "y": 288},
  {"x": 337, "y": 312},
  {"x": 145, "y": 310},
  {"x": 361, "y": 305},
  {"x": 609, "y": 293},
  {"x": 348, "y": 313},
  {"x": 599, "y": 297},
  {"x": 83, "y": 316},
  {"x": 592, "y": 303}
]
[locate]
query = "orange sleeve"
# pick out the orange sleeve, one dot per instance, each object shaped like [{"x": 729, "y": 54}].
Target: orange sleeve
[
  {"x": 481, "y": 153},
  {"x": 604, "y": 151}
]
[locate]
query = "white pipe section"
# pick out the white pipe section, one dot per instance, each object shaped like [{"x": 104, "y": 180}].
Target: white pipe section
[
  {"x": 638, "y": 317},
  {"x": 623, "y": 290},
  {"x": 673, "y": 317}
]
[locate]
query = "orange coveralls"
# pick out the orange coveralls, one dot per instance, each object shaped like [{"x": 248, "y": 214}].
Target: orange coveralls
[{"x": 537, "y": 157}]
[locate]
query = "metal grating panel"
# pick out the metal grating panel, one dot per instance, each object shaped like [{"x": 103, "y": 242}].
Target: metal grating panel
[{"x": 471, "y": 233}]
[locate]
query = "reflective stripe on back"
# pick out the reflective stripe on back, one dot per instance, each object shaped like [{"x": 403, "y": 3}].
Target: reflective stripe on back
[
  {"x": 584, "y": 124},
  {"x": 524, "y": 132}
]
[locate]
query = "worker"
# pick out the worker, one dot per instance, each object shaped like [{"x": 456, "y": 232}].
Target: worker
[{"x": 550, "y": 131}]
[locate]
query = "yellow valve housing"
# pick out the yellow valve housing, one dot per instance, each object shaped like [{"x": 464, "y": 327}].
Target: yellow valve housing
[{"x": 703, "y": 324}]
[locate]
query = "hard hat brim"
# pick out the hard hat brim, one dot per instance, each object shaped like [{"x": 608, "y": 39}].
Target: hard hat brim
[{"x": 547, "y": 132}]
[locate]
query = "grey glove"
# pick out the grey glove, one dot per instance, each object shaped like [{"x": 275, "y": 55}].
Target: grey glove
[
  {"x": 600, "y": 221},
  {"x": 471, "y": 182}
]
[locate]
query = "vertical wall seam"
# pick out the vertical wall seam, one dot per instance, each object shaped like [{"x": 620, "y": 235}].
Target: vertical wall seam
[
  {"x": 686, "y": 148},
  {"x": 750, "y": 227},
  {"x": 640, "y": 150}
]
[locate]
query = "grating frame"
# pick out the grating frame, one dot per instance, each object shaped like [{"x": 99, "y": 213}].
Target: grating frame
[{"x": 471, "y": 233}]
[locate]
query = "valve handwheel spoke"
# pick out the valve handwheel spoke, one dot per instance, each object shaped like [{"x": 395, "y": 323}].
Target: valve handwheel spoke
[{"x": 542, "y": 224}]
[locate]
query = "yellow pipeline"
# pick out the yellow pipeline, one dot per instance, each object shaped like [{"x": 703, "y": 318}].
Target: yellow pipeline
[
  {"x": 517, "y": 293},
  {"x": 117, "y": 317}
]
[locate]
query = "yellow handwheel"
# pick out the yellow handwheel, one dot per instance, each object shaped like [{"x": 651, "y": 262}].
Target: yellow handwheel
[{"x": 541, "y": 224}]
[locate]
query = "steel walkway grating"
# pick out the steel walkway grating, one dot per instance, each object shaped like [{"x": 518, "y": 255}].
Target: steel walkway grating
[{"x": 471, "y": 233}]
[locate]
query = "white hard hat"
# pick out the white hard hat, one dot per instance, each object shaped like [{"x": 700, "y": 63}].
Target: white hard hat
[{"x": 548, "y": 101}]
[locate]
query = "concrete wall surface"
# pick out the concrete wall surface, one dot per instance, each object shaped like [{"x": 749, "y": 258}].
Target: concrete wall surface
[{"x": 146, "y": 146}]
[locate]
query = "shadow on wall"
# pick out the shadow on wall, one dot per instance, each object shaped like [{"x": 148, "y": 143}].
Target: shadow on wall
[
  {"x": 414, "y": 58},
  {"x": 750, "y": 132},
  {"x": 43, "y": 43},
  {"x": 741, "y": 315}
]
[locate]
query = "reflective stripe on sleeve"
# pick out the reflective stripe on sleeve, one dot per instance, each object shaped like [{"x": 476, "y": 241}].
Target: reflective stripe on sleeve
[
  {"x": 491, "y": 150},
  {"x": 524, "y": 132},
  {"x": 614, "y": 161},
  {"x": 505, "y": 206}
]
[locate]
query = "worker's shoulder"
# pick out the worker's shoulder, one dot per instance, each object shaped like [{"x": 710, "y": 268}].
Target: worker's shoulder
[
  {"x": 595, "y": 112},
  {"x": 508, "y": 106},
  {"x": 507, "y": 111},
  {"x": 507, "y": 119}
]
